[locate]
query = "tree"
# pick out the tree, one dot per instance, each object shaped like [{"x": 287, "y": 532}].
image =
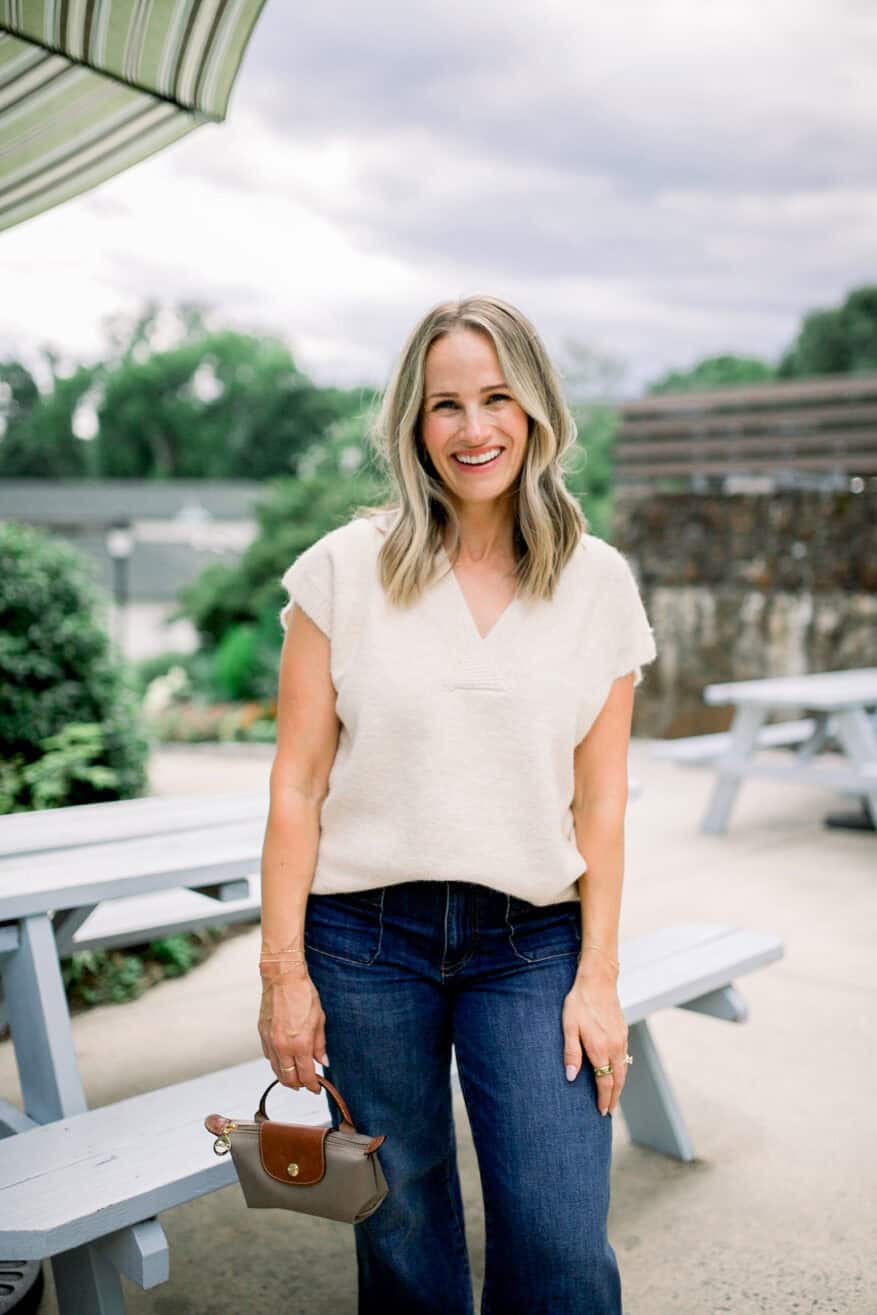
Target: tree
[
  {"x": 593, "y": 383},
  {"x": 337, "y": 474},
  {"x": 37, "y": 438},
  {"x": 175, "y": 396},
  {"x": 714, "y": 372},
  {"x": 840, "y": 341}
]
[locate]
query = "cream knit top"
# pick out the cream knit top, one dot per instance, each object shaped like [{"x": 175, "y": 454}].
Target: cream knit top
[{"x": 455, "y": 754}]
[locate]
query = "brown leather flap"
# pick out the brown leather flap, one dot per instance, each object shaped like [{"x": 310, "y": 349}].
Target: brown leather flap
[{"x": 293, "y": 1153}]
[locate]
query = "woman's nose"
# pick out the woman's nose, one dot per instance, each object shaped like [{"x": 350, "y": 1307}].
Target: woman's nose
[{"x": 475, "y": 423}]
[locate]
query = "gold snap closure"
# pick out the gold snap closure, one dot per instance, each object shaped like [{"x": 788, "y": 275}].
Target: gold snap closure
[{"x": 292, "y": 1170}]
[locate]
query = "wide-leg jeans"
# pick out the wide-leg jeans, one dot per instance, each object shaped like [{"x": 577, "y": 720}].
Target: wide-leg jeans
[{"x": 404, "y": 971}]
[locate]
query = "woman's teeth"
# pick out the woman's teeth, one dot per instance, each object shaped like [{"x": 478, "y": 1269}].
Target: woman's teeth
[{"x": 484, "y": 460}]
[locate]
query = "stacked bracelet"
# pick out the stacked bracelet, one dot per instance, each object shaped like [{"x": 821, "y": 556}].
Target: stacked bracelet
[{"x": 281, "y": 964}]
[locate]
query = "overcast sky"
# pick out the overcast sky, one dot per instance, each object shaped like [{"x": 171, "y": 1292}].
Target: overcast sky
[{"x": 659, "y": 179}]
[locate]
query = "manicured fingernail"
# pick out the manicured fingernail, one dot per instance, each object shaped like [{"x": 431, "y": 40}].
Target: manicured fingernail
[
  {"x": 570, "y": 1072},
  {"x": 324, "y": 1060}
]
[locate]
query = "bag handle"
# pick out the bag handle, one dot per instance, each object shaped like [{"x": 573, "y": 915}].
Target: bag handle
[{"x": 347, "y": 1123}]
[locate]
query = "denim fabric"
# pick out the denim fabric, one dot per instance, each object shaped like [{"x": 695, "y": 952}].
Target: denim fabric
[{"x": 404, "y": 971}]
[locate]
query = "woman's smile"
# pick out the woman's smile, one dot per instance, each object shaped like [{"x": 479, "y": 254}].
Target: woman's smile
[{"x": 472, "y": 462}]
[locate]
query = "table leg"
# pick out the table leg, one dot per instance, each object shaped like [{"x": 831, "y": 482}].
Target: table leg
[
  {"x": 822, "y": 729},
  {"x": 39, "y": 1020},
  {"x": 855, "y": 731},
  {"x": 650, "y": 1109},
  {"x": 87, "y": 1283},
  {"x": 731, "y": 766}
]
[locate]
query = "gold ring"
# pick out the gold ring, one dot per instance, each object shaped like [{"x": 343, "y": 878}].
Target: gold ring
[
  {"x": 607, "y": 1068},
  {"x": 287, "y": 1070}
]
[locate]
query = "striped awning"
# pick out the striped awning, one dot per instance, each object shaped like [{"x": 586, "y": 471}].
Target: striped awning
[{"x": 89, "y": 87}]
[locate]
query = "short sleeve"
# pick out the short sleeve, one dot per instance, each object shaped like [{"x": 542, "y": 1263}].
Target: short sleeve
[
  {"x": 634, "y": 639},
  {"x": 309, "y": 584}
]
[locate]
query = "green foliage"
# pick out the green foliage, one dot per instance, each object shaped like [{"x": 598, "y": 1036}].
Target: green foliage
[
  {"x": 74, "y": 756},
  {"x": 235, "y": 660},
  {"x": 338, "y": 475},
  {"x": 177, "y": 953},
  {"x": 840, "y": 341},
  {"x": 714, "y": 372},
  {"x": 198, "y": 402},
  {"x": 592, "y": 383},
  {"x": 589, "y": 476},
  {"x": 37, "y": 440},
  {"x": 228, "y": 405},
  {"x": 145, "y": 670},
  {"x": 97, "y": 977},
  {"x": 70, "y": 724}
]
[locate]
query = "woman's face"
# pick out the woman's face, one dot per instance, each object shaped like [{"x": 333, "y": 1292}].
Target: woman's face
[{"x": 469, "y": 411}]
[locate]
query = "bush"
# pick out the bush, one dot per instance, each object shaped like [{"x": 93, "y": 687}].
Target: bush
[
  {"x": 146, "y": 670},
  {"x": 98, "y": 977},
  {"x": 71, "y": 730}
]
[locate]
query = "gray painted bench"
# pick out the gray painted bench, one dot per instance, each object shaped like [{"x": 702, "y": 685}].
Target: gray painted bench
[
  {"x": 140, "y": 918},
  {"x": 841, "y": 708},
  {"x": 689, "y": 965},
  {"x": 691, "y": 750},
  {"x": 86, "y": 1189},
  {"x": 124, "y": 819},
  {"x": 102, "y": 1176},
  {"x": 137, "y": 919}
]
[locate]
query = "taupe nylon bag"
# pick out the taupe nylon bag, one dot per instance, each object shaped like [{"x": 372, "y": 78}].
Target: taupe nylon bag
[{"x": 332, "y": 1172}]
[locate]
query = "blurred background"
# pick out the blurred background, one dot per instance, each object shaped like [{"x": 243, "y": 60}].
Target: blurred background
[{"x": 679, "y": 196}]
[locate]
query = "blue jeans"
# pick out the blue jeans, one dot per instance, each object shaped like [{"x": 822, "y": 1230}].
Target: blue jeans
[{"x": 405, "y": 971}]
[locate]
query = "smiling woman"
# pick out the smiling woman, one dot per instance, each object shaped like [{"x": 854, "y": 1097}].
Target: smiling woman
[
  {"x": 444, "y": 853},
  {"x": 480, "y": 428}
]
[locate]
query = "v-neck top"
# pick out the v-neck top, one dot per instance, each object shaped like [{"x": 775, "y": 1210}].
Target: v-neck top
[{"x": 455, "y": 752}]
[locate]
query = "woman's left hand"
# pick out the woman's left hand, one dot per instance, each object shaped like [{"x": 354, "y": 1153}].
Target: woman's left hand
[{"x": 592, "y": 1019}]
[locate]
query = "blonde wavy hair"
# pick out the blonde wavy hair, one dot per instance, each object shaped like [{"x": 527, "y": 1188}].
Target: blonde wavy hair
[{"x": 548, "y": 521}]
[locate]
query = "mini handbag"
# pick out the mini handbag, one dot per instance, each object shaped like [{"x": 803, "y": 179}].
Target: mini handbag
[{"x": 332, "y": 1172}]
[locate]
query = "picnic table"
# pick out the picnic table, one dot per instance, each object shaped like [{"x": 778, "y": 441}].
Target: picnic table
[
  {"x": 84, "y": 1187},
  {"x": 838, "y": 707},
  {"x": 90, "y": 877}
]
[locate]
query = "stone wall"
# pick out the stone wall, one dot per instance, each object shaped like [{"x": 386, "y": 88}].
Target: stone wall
[{"x": 741, "y": 586}]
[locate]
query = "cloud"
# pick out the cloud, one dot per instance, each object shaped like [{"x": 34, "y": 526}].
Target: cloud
[{"x": 663, "y": 181}]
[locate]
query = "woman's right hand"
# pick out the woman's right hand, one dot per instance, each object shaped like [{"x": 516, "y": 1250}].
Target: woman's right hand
[{"x": 292, "y": 1028}]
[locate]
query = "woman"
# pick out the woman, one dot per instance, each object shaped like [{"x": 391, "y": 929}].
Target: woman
[{"x": 444, "y": 854}]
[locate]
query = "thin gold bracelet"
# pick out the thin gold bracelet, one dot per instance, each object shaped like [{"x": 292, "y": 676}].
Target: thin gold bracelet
[{"x": 588, "y": 946}]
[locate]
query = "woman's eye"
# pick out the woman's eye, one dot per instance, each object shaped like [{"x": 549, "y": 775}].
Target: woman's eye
[{"x": 494, "y": 397}]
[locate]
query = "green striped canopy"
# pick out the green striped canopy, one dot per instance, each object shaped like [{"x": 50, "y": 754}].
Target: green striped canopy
[{"x": 89, "y": 87}]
